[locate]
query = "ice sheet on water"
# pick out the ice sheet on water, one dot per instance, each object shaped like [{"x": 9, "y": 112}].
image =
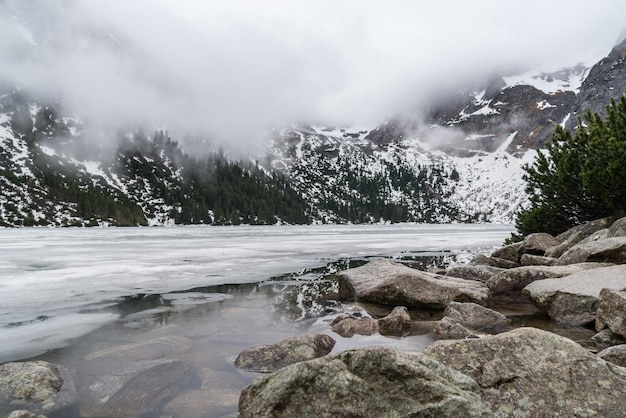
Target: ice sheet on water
[{"x": 58, "y": 273}]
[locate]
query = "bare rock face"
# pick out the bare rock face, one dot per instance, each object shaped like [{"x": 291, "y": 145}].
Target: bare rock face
[
  {"x": 366, "y": 382},
  {"x": 382, "y": 281},
  {"x": 610, "y": 250},
  {"x": 532, "y": 373},
  {"x": 574, "y": 299},
  {"x": 271, "y": 357},
  {"x": 612, "y": 311},
  {"x": 36, "y": 386}
]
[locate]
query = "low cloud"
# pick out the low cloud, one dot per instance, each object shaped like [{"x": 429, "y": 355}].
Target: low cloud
[{"x": 231, "y": 70}]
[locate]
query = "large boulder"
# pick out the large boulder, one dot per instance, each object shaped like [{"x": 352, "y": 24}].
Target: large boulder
[
  {"x": 532, "y": 373},
  {"x": 515, "y": 280},
  {"x": 271, "y": 357},
  {"x": 558, "y": 250},
  {"x": 480, "y": 273},
  {"x": 36, "y": 386},
  {"x": 476, "y": 317},
  {"x": 618, "y": 228},
  {"x": 382, "y": 281},
  {"x": 366, "y": 382},
  {"x": 508, "y": 252},
  {"x": 611, "y": 312},
  {"x": 574, "y": 299},
  {"x": 588, "y": 228},
  {"x": 537, "y": 244},
  {"x": 610, "y": 250},
  {"x": 483, "y": 260}
]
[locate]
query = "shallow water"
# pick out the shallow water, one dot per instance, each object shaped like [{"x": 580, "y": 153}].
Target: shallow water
[{"x": 70, "y": 295}]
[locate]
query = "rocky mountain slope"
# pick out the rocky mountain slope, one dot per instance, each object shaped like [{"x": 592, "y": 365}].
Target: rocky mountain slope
[{"x": 461, "y": 161}]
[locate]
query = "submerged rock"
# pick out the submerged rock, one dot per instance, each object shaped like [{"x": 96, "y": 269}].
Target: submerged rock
[
  {"x": 271, "y": 357},
  {"x": 133, "y": 388},
  {"x": 203, "y": 403},
  {"x": 382, "y": 281},
  {"x": 574, "y": 299},
  {"x": 366, "y": 382},
  {"x": 534, "y": 373}
]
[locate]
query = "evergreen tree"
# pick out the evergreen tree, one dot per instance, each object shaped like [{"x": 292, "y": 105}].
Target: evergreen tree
[{"x": 581, "y": 177}]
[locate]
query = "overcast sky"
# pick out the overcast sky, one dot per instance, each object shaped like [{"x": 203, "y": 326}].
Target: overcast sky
[{"x": 235, "y": 68}]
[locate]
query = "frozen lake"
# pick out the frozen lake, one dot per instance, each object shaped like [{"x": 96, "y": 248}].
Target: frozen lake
[{"x": 58, "y": 284}]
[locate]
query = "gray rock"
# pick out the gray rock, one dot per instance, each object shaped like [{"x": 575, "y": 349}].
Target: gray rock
[
  {"x": 450, "y": 329},
  {"x": 532, "y": 373},
  {"x": 574, "y": 299},
  {"x": 587, "y": 228},
  {"x": 558, "y": 250},
  {"x": 271, "y": 357},
  {"x": 615, "y": 355},
  {"x": 483, "y": 260},
  {"x": 398, "y": 323},
  {"x": 606, "y": 338},
  {"x": 479, "y": 273},
  {"x": 508, "y": 252},
  {"x": 36, "y": 386},
  {"x": 537, "y": 244},
  {"x": 145, "y": 350},
  {"x": 597, "y": 236},
  {"x": 366, "y": 382},
  {"x": 133, "y": 388},
  {"x": 537, "y": 260},
  {"x": 476, "y": 317},
  {"x": 610, "y": 250},
  {"x": 203, "y": 403},
  {"x": 514, "y": 280},
  {"x": 611, "y": 312},
  {"x": 618, "y": 228},
  {"x": 382, "y": 281},
  {"x": 24, "y": 414},
  {"x": 347, "y": 325}
]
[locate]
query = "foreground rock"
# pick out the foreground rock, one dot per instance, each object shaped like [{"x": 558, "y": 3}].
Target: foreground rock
[
  {"x": 36, "y": 386},
  {"x": 533, "y": 373},
  {"x": 382, "y": 281},
  {"x": 574, "y": 299},
  {"x": 367, "y": 382},
  {"x": 271, "y": 357},
  {"x": 611, "y": 312}
]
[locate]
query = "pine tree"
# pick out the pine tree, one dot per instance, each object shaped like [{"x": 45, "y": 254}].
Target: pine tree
[{"x": 581, "y": 177}]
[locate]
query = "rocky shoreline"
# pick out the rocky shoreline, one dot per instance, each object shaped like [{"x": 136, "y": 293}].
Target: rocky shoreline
[{"x": 486, "y": 363}]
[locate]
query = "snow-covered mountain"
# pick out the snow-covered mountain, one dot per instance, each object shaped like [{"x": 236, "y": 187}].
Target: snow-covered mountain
[{"x": 460, "y": 161}]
